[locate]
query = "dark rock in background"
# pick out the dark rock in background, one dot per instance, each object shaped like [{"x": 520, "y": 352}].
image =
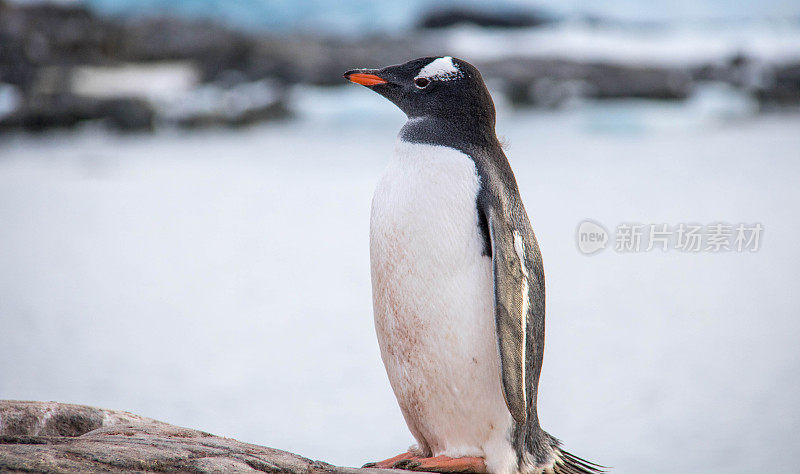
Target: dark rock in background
[
  {"x": 495, "y": 18},
  {"x": 59, "y": 437},
  {"x": 41, "y": 35},
  {"x": 213, "y": 47},
  {"x": 773, "y": 85},
  {"x": 321, "y": 61},
  {"x": 550, "y": 82},
  {"x": 782, "y": 88},
  {"x": 68, "y": 110}
]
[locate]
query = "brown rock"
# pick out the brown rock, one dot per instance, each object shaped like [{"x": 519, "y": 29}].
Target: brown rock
[{"x": 64, "y": 438}]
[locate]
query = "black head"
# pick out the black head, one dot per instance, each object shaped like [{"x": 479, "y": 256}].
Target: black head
[{"x": 443, "y": 88}]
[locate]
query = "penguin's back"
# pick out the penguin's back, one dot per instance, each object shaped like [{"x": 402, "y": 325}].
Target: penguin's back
[{"x": 433, "y": 304}]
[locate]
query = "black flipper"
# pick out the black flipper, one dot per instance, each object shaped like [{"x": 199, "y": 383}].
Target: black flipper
[{"x": 512, "y": 303}]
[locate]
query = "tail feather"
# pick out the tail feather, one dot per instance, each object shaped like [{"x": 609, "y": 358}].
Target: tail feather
[
  {"x": 544, "y": 455},
  {"x": 568, "y": 463}
]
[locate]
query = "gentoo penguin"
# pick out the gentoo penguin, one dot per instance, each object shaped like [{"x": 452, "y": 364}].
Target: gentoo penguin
[{"x": 457, "y": 281}]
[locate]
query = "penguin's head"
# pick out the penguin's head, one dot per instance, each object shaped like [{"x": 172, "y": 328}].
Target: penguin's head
[{"x": 442, "y": 87}]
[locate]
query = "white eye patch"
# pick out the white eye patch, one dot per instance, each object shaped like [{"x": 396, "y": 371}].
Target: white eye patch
[{"x": 441, "y": 69}]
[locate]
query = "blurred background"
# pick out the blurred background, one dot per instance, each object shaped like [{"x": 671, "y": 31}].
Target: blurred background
[{"x": 184, "y": 209}]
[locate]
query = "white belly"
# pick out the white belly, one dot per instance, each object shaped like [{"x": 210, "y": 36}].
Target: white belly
[{"x": 433, "y": 303}]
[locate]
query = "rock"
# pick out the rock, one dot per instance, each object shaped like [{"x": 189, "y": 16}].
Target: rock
[
  {"x": 44, "y": 34},
  {"x": 321, "y": 61},
  {"x": 772, "y": 84},
  {"x": 213, "y": 47},
  {"x": 782, "y": 87},
  {"x": 502, "y": 18},
  {"x": 67, "y": 110},
  {"x": 614, "y": 81},
  {"x": 550, "y": 82},
  {"x": 740, "y": 70},
  {"x": 59, "y": 437}
]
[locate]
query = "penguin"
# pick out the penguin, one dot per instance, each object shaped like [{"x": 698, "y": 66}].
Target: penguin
[{"x": 457, "y": 281}]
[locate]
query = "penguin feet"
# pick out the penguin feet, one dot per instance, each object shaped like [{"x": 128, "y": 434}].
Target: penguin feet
[
  {"x": 390, "y": 463},
  {"x": 471, "y": 465}
]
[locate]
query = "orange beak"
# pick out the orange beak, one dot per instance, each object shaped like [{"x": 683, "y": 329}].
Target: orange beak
[{"x": 365, "y": 79}]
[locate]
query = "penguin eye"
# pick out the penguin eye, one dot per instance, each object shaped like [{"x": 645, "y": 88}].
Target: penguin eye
[{"x": 421, "y": 82}]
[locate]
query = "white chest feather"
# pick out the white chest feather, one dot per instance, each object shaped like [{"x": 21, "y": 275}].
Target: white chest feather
[{"x": 433, "y": 303}]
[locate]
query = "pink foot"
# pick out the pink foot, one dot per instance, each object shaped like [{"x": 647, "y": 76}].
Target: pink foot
[
  {"x": 389, "y": 463},
  {"x": 471, "y": 465}
]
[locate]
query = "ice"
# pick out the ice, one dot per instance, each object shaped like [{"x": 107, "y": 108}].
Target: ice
[
  {"x": 217, "y": 100},
  {"x": 669, "y": 45},
  {"x": 157, "y": 82},
  {"x": 10, "y": 98}
]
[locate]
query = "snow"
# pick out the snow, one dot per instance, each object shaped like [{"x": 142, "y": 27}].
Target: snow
[
  {"x": 10, "y": 99},
  {"x": 215, "y": 99},
  {"x": 220, "y": 280},
  {"x": 675, "y": 45},
  {"x": 157, "y": 82}
]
